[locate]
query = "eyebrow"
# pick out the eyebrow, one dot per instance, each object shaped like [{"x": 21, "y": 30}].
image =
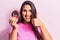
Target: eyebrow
[{"x": 25, "y": 9}]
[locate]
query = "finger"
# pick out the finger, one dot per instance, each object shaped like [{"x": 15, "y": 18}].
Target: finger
[
  {"x": 10, "y": 22},
  {"x": 16, "y": 20},
  {"x": 32, "y": 21},
  {"x": 37, "y": 15}
]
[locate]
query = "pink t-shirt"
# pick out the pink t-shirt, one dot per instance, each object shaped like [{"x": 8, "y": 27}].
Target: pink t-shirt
[{"x": 25, "y": 32}]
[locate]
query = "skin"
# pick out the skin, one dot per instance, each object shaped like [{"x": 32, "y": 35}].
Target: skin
[
  {"x": 13, "y": 34},
  {"x": 26, "y": 13},
  {"x": 44, "y": 32}
]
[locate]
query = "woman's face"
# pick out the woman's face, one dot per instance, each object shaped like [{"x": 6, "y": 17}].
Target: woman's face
[{"x": 26, "y": 13}]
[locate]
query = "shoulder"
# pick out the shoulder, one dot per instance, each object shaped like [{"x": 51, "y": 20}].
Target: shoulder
[{"x": 19, "y": 24}]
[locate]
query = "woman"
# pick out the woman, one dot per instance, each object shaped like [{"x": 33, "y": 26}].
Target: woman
[{"x": 28, "y": 26}]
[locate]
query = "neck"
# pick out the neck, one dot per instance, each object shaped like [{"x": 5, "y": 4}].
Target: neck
[{"x": 26, "y": 22}]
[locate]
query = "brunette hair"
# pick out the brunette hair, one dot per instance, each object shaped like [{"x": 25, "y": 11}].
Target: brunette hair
[{"x": 34, "y": 12}]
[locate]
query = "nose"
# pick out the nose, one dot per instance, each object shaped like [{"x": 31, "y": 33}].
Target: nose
[{"x": 28, "y": 13}]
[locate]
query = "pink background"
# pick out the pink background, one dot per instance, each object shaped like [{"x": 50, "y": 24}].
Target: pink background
[{"x": 48, "y": 12}]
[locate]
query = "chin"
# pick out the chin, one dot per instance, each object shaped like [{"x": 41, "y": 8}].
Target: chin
[{"x": 27, "y": 21}]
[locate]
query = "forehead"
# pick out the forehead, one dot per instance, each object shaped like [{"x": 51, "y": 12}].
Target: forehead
[{"x": 26, "y": 6}]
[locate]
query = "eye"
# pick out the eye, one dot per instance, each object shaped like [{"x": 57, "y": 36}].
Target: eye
[
  {"x": 30, "y": 10},
  {"x": 24, "y": 10}
]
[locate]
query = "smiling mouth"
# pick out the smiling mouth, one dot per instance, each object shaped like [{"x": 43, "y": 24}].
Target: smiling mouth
[{"x": 27, "y": 17}]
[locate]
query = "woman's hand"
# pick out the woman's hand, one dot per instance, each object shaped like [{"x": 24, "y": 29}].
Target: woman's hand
[
  {"x": 44, "y": 32},
  {"x": 12, "y": 22},
  {"x": 37, "y": 22},
  {"x": 13, "y": 34}
]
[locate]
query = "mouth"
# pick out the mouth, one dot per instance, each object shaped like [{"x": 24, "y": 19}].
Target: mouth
[{"x": 27, "y": 17}]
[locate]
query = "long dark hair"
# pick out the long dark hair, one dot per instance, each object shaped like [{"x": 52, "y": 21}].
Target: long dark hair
[{"x": 37, "y": 34}]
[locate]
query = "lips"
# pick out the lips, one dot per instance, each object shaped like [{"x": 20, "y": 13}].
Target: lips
[{"x": 27, "y": 17}]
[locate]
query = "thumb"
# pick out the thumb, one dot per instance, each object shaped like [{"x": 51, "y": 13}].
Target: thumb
[{"x": 37, "y": 15}]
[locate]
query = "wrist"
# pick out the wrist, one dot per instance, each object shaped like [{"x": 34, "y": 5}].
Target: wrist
[{"x": 14, "y": 28}]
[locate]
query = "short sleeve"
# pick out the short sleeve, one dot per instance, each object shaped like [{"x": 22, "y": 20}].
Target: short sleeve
[
  {"x": 10, "y": 29},
  {"x": 39, "y": 29}
]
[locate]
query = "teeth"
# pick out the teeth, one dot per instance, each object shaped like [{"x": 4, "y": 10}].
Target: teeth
[{"x": 27, "y": 17}]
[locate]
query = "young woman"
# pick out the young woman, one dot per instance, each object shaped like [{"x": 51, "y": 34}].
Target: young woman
[{"x": 28, "y": 26}]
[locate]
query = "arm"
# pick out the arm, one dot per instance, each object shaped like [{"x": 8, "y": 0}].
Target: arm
[
  {"x": 13, "y": 35},
  {"x": 44, "y": 33}
]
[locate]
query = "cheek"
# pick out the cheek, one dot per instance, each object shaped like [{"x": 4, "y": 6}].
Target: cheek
[
  {"x": 30, "y": 14},
  {"x": 23, "y": 14}
]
